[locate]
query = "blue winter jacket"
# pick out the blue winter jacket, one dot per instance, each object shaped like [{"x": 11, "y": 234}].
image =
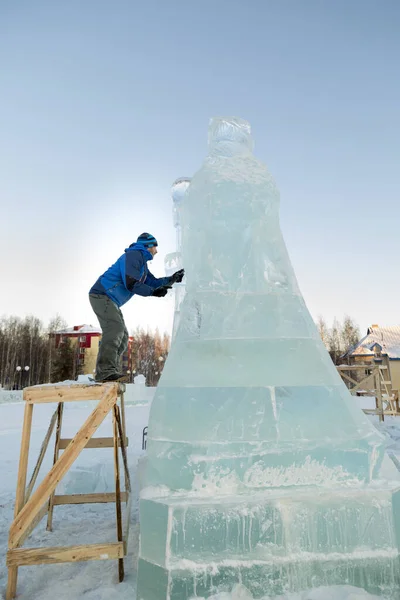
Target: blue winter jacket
[{"x": 129, "y": 276}]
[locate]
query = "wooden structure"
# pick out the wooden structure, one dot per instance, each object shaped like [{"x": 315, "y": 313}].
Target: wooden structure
[
  {"x": 382, "y": 343},
  {"x": 30, "y": 508},
  {"x": 372, "y": 380}
]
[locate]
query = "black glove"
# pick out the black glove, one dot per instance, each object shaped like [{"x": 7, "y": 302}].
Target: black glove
[
  {"x": 162, "y": 291},
  {"x": 178, "y": 276}
]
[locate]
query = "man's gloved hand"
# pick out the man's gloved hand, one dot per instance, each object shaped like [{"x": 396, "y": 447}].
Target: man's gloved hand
[
  {"x": 178, "y": 276},
  {"x": 162, "y": 291}
]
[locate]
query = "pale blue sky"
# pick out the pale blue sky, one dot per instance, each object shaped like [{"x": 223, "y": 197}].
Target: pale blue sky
[{"x": 104, "y": 104}]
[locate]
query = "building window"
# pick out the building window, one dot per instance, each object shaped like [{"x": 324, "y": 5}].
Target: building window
[{"x": 82, "y": 338}]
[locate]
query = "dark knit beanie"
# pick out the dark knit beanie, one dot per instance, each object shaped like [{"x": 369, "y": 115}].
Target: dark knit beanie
[{"x": 148, "y": 240}]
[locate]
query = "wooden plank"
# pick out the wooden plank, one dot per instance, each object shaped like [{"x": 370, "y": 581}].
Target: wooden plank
[
  {"x": 127, "y": 523},
  {"x": 53, "y": 478},
  {"x": 11, "y": 590},
  {"x": 98, "y": 498},
  {"x": 20, "y": 494},
  {"x": 118, "y": 509},
  {"x": 67, "y": 393},
  {"x": 98, "y": 442},
  {"x": 35, "y": 522},
  {"x": 123, "y": 450},
  {"x": 349, "y": 379},
  {"x": 375, "y": 411},
  {"x": 358, "y": 384},
  {"x": 60, "y": 411},
  {"x": 356, "y": 367},
  {"x": 379, "y": 397},
  {"x": 119, "y": 419},
  {"x": 42, "y": 454},
  {"x": 23, "y": 459},
  {"x": 364, "y": 379},
  {"x": 123, "y": 419},
  {"x": 38, "y": 556}
]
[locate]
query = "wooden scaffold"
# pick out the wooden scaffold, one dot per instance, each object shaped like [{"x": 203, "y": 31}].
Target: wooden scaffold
[
  {"x": 372, "y": 379},
  {"x": 32, "y": 506}
]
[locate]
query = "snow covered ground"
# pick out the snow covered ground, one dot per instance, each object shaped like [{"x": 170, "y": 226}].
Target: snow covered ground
[{"x": 92, "y": 472}]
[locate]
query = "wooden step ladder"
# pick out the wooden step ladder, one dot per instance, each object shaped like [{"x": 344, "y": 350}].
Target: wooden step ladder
[{"x": 30, "y": 508}]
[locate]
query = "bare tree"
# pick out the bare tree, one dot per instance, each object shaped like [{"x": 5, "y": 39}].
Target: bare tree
[
  {"x": 323, "y": 330},
  {"x": 29, "y": 356},
  {"x": 57, "y": 323},
  {"x": 350, "y": 333},
  {"x": 149, "y": 352},
  {"x": 23, "y": 352},
  {"x": 63, "y": 362},
  {"x": 340, "y": 337}
]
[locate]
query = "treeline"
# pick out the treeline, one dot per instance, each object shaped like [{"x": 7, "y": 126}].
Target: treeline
[
  {"x": 339, "y": 337},
  {"x": 149, "y": 352},
  {"x": 28, "y": 355}
]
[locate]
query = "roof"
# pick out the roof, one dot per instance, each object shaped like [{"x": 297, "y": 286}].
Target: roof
[
  {"x": 79, "y": 330},
  {"x": 388, "y": 339}
]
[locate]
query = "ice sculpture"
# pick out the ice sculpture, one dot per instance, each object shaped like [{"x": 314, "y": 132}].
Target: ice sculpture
[
  {"x": 173, "y": 261},
  {"x": 261, "y": 470}
]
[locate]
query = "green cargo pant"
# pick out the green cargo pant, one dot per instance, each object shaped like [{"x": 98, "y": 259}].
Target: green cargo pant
[{"x": 115, "y": 336}]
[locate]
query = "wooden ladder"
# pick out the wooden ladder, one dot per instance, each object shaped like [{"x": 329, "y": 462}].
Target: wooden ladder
[{"x": 30, "y": 508}]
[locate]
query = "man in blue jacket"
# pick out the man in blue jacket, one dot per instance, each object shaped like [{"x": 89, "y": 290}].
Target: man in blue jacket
[{"x": 125, "y": 278}]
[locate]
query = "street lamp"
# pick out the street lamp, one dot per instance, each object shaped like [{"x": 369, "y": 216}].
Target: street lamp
[
  {"x": 26, "y": 368},
  {"x": 19, "y": 371},
  {"x": 131, "y": 373}
]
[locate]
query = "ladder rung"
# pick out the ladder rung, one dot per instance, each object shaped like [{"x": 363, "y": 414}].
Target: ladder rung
[
  {"x": 98, "y": 498},
  {"x": 100, "y": 442},
  {"x": 60, "y": 554}
]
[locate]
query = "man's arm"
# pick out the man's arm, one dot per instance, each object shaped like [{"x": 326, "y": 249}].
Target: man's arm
[
  {"x": 155, "y": 282},
  {"x": 134, "y": 267}
]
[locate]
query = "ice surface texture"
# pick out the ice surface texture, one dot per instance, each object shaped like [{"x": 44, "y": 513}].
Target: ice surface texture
[
  {"x": 178, "y": 191},
  {"x": 261, "y": 469}
]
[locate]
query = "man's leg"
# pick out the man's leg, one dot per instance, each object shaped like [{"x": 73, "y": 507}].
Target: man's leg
[
  {"x": 125, "y": 339},
  {"x": 113, "y": 331},
  {"x": 124, "y": 343}
]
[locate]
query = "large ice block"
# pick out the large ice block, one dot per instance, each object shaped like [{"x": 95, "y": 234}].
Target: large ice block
[
  {"x": 173, "y": 262},
  {"x": 260, "y": 467}
]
